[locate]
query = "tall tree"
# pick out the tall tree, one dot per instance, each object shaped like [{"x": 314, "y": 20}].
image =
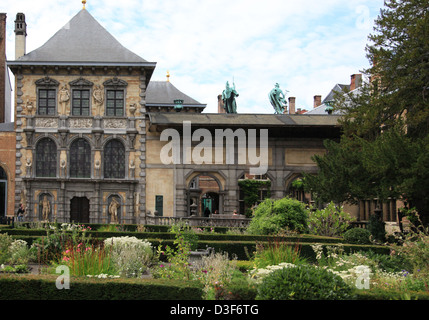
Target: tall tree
[{"x": 383, "y": 151}]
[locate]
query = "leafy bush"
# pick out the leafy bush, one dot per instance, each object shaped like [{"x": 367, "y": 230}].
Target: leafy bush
[
  {"x": 5, "y": 242},
  {"x": 272, "y": 216},
  {"x": 331, "y": 221},
  {"x": 377, "y": 228},
  {"x": 358, "y": 236},
  {"x": 304, "y": 282}
]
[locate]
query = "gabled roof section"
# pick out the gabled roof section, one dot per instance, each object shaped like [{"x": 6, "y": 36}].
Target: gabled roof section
[
  {"x": 163, "y": 93},
  {"x": 83, "y": 40}
]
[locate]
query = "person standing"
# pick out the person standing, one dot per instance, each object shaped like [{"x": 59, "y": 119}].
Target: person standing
[{"x": 21, "y": 212}]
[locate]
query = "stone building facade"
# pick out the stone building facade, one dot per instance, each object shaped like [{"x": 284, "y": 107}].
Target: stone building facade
[{"x": 90, "y": 145}]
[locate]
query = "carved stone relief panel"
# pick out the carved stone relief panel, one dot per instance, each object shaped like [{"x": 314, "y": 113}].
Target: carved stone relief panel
[
  {"x": 80, "y": 123},
  {"x": 46, "y": 123},
  {"x": 115, "y": 123}
]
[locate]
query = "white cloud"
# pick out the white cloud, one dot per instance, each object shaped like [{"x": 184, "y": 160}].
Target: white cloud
[{"x": 305, "y": 46}]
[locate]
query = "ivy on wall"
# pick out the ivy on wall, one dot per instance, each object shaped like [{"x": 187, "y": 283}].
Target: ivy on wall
[{"x": 251, "y": 190}]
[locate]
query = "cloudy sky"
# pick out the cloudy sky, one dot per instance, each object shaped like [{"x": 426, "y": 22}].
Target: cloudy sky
[{"x": 306, "y": 46}]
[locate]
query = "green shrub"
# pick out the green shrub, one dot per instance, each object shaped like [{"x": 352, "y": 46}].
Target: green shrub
[
  {"x": 272, "y": 216},
  {"x": 331, "y": 221},
  {"x": 358, "y": 236},
  {"x": 238, "y": 288},
  {"x": 24, "y": 287},
  {"x": 5, "y": 242},
  {"x": 377, "y": 228},
  {"x": 304, "y": 282}
]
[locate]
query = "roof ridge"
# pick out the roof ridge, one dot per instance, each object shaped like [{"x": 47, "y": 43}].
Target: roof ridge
[{"x": 82, "y": 39}]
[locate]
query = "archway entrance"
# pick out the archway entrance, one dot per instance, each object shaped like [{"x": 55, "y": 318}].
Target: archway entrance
[
  {"x": 79, "y": 210},
  {"x": 3, "y": 192},
  {"x": 204, "y": 196}
]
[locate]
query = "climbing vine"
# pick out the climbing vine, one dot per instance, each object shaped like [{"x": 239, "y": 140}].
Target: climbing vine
[{"x": 251, "y": 190}]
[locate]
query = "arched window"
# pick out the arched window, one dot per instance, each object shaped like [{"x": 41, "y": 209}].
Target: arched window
[
  {"x": 3, "y": 192},
  {"x": 114, "y": 160},
  {"x": 3, "y": 175},
  {"x": 80, "y": 159},
  {"x": 46, "y": 158}
]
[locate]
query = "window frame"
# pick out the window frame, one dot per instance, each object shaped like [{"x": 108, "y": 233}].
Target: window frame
[
  {"x": 80, "y": 85},
  {"x": 115, "y": 85},
  {"x": 49, "y": 85},
  {"x": 116, "y": 105},
  {"x": 80, "y": 101},
  {"x": 47, "y": 107}
]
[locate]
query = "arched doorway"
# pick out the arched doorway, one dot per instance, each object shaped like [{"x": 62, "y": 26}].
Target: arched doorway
[
  {"x": 204, "y": 196},
  {"x": 3, "y": 192},
  {"x": 79, "y": 210}
]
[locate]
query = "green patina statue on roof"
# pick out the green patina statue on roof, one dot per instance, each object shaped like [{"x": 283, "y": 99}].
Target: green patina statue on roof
[
  {"x": 277, "y": 99},
  {"x": 228, "y": 97}
]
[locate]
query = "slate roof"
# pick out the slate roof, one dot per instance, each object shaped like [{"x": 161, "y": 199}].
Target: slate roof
[
  {"x": 7, "y": 127},
  {"x": 83, "y": 40},
  {"x": 163, "y": 93},
  {"x": 251, "y": 120},
  {"x": 338, "y": 88}
]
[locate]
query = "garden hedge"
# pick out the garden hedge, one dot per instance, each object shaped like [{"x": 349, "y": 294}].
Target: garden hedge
[{"x": 43, "y": 287}]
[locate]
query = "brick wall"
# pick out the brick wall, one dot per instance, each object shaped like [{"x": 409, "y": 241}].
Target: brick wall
[{"x": 7, "y": 162}]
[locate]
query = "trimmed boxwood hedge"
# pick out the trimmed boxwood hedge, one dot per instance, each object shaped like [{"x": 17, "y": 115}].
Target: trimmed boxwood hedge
[
  {"x": 30, "y": 287},
  {"x": 237, "y": 245}
]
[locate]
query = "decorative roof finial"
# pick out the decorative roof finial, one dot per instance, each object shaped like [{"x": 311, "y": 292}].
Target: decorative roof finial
[
  {"x": 168, "y": 76},
  {"x": 84, "y": 3}
]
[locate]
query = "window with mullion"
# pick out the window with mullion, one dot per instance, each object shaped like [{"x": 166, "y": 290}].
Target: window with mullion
[
  {"x": 46, "y": 158},
  {"x": 80, "y": 102},
  {"x": 114, "y": 160},
  {"x": 47, "y": 102},
  {"x": 80, "y": 159},
  {"x": 115, "y": 102}
]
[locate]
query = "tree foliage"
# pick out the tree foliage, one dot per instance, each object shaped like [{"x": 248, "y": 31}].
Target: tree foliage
[{"x": 383, "y": 151}]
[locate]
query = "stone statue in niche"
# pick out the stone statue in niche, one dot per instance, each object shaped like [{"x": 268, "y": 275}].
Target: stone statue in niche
[
  {"x": 113, "y": 210},
  {"x": 63, "y": 166},
  {"x": 46, "y": 207},
  {"x": 28, "y": 165},
  {"x": 29, "y": 107},
  {"x": 132, "y": 168},
  {"x": 97, "y": 168},
  {"x": 98, "y": 98},
  {"x": 64, "y": 98}
]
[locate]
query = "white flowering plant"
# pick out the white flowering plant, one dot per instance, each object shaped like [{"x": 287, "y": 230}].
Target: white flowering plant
[{"x": 131, "y": 256}]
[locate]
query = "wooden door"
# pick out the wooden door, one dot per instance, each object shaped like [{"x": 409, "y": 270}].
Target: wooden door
[{"x": 79, "y": 210}]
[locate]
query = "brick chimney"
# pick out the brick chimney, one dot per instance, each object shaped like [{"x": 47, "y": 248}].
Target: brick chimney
[
  {"x": 220, "y": 108},
  {"x": 355, "y": 81},
  {"x": 20, "y": 35},
  {"x": 2, "y": 67},
  {"x": 317, "y": 101},
  {"x": 291, "y": 105}
]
